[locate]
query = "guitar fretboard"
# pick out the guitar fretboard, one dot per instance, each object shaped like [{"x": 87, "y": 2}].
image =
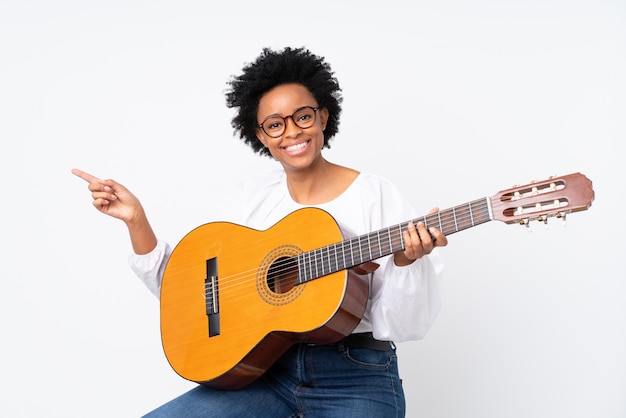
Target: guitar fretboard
[{"x": 358, "y": 250}]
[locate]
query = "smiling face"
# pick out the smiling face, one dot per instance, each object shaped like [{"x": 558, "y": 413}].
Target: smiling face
[{"x": 297, "y": 148}]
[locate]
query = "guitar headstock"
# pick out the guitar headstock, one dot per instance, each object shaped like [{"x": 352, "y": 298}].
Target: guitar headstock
[{"x": 540, "y": 200}]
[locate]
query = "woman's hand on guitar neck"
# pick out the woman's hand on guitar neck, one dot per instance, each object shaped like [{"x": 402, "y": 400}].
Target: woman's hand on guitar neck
[
  {"x": 113, "y": 199},
  {"x": 419, "y": 241}
]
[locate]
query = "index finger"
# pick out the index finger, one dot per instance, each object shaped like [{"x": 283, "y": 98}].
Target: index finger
[{"x": 85, "y": 176}]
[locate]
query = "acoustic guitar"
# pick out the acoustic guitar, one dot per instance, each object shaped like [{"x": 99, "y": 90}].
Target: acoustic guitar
[{"x": 234, "y": 299}]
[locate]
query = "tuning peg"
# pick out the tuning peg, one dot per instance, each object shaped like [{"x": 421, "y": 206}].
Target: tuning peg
[{"x": 526, "y": 223}]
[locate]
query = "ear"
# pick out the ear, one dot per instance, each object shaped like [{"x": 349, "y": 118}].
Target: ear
[
  {"x": 323, "y": 112},
  {"x": 260, "y": 137}
]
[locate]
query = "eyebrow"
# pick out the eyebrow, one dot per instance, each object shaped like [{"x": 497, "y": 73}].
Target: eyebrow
[{"x": 278, "y": 114}]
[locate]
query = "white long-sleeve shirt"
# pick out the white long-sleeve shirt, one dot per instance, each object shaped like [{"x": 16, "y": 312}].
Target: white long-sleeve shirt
[{"x": 404, "y": 301}]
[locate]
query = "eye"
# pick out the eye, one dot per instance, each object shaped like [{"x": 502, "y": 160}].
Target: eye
[
  {"x": 273, "y": 124},
  {"x": 303, "y": 117}
]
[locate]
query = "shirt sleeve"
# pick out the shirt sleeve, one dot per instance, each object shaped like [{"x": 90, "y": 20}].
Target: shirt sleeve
[
  {"x": 150, "y": 267},
  {"x": 406, "y": 300}
]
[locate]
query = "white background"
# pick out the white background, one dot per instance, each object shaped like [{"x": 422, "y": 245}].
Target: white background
[{"x": 451, "y": 100}]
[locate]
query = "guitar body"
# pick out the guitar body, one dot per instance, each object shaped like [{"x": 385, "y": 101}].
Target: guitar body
[{"x": 262, "y": 310}]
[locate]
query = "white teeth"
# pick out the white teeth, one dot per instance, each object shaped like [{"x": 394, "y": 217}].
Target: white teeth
[{"x": 296, "y": 147}]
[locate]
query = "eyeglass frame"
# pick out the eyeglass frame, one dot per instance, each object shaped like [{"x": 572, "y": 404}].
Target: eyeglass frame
[{"x": 315, "y": 109}]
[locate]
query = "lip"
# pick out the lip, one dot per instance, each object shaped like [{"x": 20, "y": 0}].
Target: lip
[{"x": 301, "y": 147}]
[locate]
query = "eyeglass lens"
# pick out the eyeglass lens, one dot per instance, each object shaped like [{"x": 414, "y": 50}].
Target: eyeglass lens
[{"x": 303, "y": 118}]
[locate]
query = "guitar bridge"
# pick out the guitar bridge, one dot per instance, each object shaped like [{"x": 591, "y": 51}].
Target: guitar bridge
[{"x": 211, "y": 295}]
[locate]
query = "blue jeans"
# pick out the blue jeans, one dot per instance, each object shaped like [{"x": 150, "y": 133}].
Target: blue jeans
[{"x": 307, "y": 381}]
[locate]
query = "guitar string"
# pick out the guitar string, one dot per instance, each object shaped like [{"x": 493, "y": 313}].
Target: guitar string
[
  {"x": 450, "y": 225},
  {"x": 396, "y": 240},
  {"x": 447, "y": 225},
  {"x": 241, "y": 279},
  {"x": 235, "y": 280}
]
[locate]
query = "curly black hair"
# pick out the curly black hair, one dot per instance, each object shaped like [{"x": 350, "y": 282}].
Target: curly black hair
[{"x": 274, "y": 68}]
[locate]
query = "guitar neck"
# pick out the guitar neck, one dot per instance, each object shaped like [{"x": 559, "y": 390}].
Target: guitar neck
[{"x": 355, "y": 251}]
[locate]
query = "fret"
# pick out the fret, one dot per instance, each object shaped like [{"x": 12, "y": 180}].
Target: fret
[
  {"x": 456, "y": 226},
  {"x": 379, "y": 250},
  {"x": 349, "y": 252},
  {"x": 329, "y": 260},
  {"x": 309, "y": 267},
  {"x": 302, "y": 277},
  {"x": 310, "y": 264},
  {"x": 351, "y": 247},
  {"x": 316, "y": 262},
  {"x": 360, "y": 258},
  {"x": 484, "y": 213},
  {"x": 447, "y": 221},
  {"x": 364, "y": 248},
  {"x": 462, "y": 217},
  {"x": 305, "y": 274},
  {"x": 360, "y": 251},
  {"x": 323, "y": 259}
]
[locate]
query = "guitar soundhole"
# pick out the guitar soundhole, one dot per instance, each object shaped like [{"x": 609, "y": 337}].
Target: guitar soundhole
[
  {"x": 282, "y": 275},
  {"x": 278, "y": 273}
]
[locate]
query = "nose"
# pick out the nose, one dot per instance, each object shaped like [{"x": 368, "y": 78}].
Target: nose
[{"x": 291, "y": 129}]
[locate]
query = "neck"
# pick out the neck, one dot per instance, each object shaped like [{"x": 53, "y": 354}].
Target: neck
[
  {"x": 319, "y": 183},
  {"x": 305, "y": 185}
]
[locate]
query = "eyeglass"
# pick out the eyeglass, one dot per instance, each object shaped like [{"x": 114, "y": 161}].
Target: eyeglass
[{"x": 274, "y": 126}]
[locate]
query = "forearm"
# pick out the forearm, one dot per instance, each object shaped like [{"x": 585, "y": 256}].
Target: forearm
[{"x": 142, "y": 236}]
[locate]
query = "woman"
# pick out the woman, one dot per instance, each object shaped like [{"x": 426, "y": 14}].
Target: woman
[{"x": 288, "y": 105}]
